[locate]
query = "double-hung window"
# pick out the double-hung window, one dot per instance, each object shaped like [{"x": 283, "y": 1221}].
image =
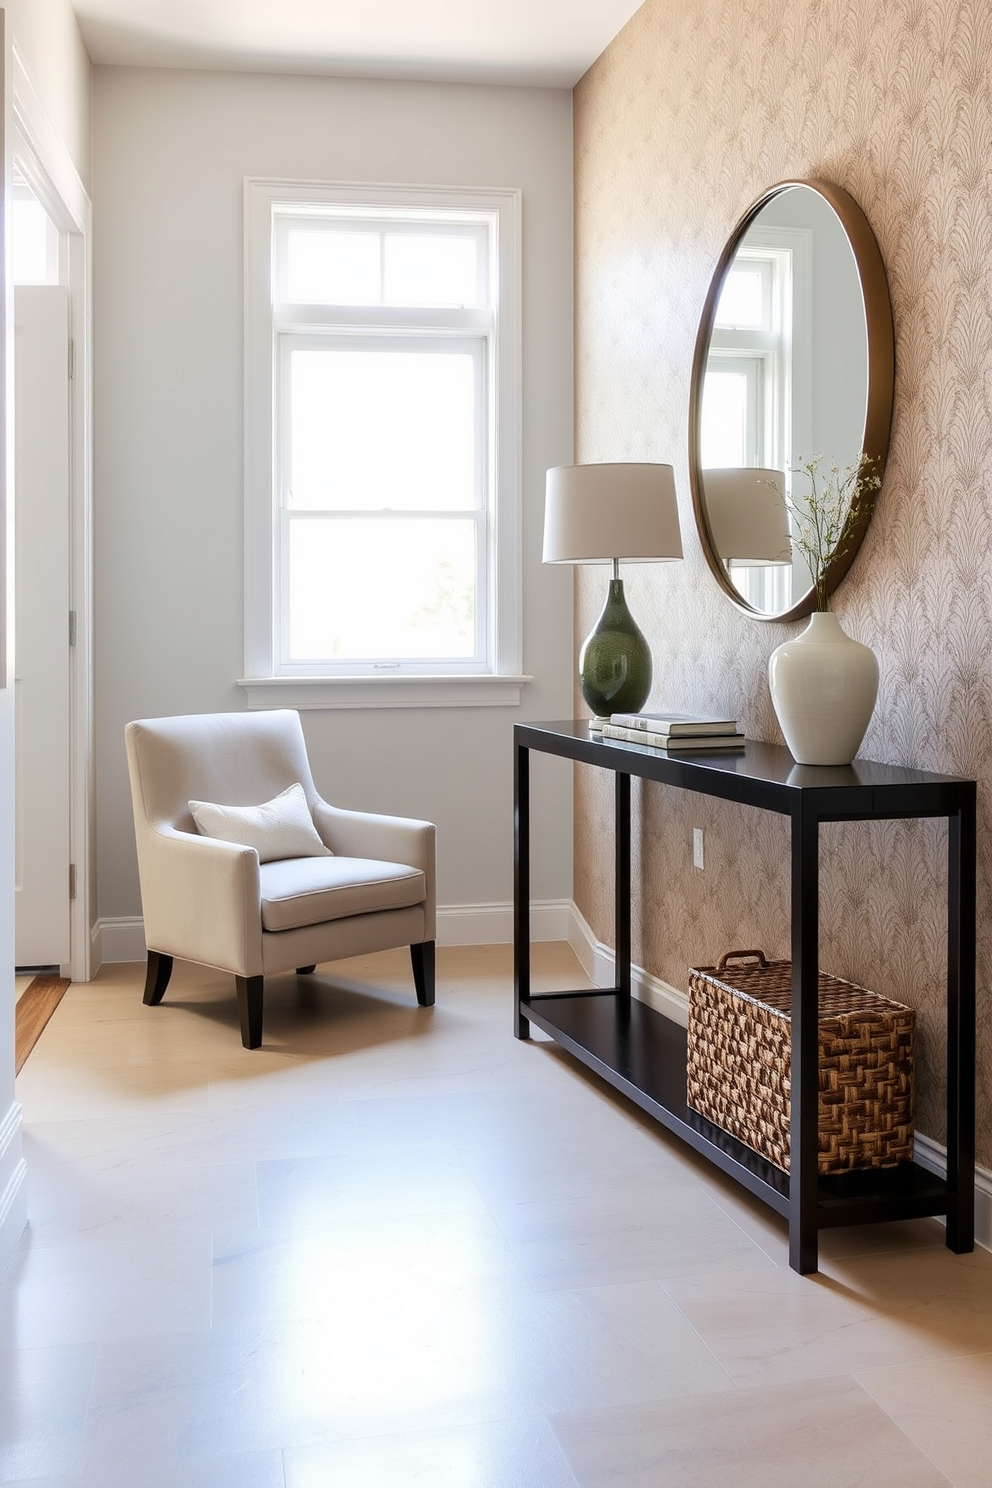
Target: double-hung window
[{"x": 382, "y": 350}]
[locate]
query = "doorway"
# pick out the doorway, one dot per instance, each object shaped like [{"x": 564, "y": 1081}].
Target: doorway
[
  {"x": 42, "y": 626},
  {"x": 53, "y": 565}
]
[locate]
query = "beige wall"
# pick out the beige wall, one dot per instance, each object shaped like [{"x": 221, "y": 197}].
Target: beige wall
[{"x": 692, "y": 112}]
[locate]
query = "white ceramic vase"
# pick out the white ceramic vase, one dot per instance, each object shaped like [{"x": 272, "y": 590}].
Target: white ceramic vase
[{"x": 823, "y": 685}]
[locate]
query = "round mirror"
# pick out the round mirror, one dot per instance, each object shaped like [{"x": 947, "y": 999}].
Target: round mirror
[{"x": 794, "y": 360}]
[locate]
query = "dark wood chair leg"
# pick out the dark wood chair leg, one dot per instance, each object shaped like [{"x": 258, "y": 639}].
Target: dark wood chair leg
[
  {"x": 157, "y": 975},
  {"x": 250, "y": 1009},
  {"x": 306, "y": 970},
  {"x": 422, "y": 957}
]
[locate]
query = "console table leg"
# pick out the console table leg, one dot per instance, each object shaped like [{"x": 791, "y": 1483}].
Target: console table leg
[
  {"x": 521, "y": 891},
  {"x": 621, "y": 879},
  {"x": 803, "y": 1251},
  {"x": 960, "y": 1233},
  {"x": 805, "y": 1108}
]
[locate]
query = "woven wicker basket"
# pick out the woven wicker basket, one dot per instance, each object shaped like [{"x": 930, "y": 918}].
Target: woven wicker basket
[{"x": 739, "y": 1065}]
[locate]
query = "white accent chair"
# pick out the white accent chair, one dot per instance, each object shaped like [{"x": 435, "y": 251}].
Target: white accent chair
[{"x": 213, "y": 902}]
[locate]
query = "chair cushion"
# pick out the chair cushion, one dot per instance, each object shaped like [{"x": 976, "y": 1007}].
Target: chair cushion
[
  {"x": 280, "y": 828},
  {"x": 308, "y": 891}
]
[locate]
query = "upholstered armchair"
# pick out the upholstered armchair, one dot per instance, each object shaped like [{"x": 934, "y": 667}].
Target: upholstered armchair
[{"x": 355, "y": 882}]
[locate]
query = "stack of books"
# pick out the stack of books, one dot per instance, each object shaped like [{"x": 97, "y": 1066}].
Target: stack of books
[{"x": 676, "y": 732}]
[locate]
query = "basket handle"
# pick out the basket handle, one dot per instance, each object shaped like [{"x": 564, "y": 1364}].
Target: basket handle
[{"x": 758, "y": 956}]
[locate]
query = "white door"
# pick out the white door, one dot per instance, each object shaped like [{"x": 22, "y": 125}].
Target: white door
[{"x": 41, "y": 634}]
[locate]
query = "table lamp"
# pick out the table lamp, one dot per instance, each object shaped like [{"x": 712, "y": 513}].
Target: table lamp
[
  {"x": 747, "y": 516},
  {"x": 605, "y": 514}
]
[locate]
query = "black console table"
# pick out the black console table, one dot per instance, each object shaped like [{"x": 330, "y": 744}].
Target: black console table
[{"x": 643, "y": 1054}]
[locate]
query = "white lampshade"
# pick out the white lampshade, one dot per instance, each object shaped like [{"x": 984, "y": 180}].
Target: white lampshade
[
  {"x": 602, "y": 513},
  {"x": 747, "y": 516}
]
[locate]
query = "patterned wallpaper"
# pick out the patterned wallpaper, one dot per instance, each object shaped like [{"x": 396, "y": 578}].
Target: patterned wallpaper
[{"x": 694, "y": 110}]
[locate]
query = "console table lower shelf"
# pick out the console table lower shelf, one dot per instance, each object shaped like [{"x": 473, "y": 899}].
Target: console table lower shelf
[{"x": 643, "y": 1054}]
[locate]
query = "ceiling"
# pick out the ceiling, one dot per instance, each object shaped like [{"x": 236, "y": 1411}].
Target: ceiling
[{"x": 537, "y": 43}]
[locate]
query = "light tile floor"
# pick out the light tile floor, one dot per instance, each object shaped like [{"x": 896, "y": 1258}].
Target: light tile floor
[{"x": 395, "y": 1247}]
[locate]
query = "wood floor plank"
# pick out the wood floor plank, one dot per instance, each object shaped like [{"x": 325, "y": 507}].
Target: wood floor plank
[{"x": 34, "y": 1007}]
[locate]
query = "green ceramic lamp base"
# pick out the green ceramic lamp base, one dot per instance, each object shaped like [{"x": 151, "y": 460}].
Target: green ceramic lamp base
[{"x": 615, "y": 661}]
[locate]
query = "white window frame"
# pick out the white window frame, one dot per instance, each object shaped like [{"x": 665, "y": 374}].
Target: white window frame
[
  {"x": 268, "y": 683},
  {"x": 765, "y": 351}
]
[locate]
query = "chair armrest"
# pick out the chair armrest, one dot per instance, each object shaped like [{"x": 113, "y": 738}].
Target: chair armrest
[
  {"x": 201, "y": 899},
  {"x": 391, "y": 839},
  {"x": 364, "y": 834}
]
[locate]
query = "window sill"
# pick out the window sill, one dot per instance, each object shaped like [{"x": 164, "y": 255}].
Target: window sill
[{"x": 483, "y": 691}]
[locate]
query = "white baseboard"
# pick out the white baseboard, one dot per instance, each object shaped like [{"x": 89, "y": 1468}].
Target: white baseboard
[
  {"x": 597, "y": 961},
  {"x": 13, "y": 1198},
  {"x": 932, "y": 1156},
  {"x": 118, "y": 940},
  {"x": 457, "y": 925},
  {"x": 492, "y": 924}
]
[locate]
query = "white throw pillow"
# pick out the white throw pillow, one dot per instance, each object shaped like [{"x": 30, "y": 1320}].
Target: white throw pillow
[{"x": 281, "y": 828}]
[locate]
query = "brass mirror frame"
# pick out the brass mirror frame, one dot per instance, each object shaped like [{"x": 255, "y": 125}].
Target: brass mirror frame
[{"x": 881, "y": 379}]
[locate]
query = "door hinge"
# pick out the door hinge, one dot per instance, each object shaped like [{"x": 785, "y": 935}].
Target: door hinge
[
  {"x": 72, "y": 359},
  {"x": 72, "y": 627},
  {"x": 72, "y": 880}
]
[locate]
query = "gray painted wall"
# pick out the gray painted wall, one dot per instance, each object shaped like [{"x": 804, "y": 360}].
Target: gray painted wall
[{"x": 171, "y": 150}]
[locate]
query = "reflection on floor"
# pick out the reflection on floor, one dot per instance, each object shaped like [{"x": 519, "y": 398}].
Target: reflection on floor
[{"x": 396, "y": 1247}]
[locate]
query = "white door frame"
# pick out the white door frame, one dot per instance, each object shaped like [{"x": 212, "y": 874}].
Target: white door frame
[{"x": 47, "y": 167}]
